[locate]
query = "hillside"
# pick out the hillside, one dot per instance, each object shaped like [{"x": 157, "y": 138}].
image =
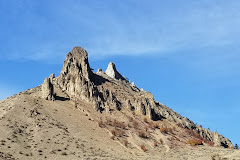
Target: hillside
[{"x": 85, "y": 115}]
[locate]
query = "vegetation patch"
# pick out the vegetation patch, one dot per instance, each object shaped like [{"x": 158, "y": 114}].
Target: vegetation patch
[
  {"x": 194, "y": 142},
  {"x": 143, "y": 147}
]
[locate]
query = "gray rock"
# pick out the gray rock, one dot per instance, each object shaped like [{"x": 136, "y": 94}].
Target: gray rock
[
  {"x": 100, "y": 71},
  {"x": 134, "y": 87},
  {"x": 79, "y": 82},
  {"x": 47, "y": 90},
  {"x": 113, "y": 73}
]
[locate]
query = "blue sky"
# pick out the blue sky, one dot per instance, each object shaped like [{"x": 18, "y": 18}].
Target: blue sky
[{"x": 185, "y": 52}]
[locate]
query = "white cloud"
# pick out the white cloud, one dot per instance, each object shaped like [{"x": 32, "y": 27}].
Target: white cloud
[{"x": 132, "y": 28}]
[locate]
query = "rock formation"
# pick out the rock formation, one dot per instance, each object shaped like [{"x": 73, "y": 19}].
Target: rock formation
[
  {"x": 100, "y": 71},
  {"x": 79, "y": 82},
  {"x": 76, "y": 74},
  {"x": 47, "y": 89},
  {"x": 113, "y": 73},
  {"x": 134, "y": 87}
]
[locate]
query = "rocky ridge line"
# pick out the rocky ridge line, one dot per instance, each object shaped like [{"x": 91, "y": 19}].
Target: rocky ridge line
[{"x": 79, "y": 82}]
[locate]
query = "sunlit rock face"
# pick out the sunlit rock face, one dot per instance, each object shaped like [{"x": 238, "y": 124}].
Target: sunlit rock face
[{"x": 112, "y": 72}]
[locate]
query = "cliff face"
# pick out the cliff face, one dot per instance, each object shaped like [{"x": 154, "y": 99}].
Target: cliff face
[{"x": 110, "y": 92}]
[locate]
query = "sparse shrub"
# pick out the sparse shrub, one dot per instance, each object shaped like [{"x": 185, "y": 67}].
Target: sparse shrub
[
  {"x": 143, "y": 134},
  {"x": 155, "y": 144},
  {"x": 145, "y": 120},
  {"x": 236, "y": 146},
  {"x": 130, "y": 119},
  {"x": 196, "y": 135},
  {"x": 53, "y": 152},
  {"x": 180, "y": 125},
  {"x": 143, "y": 147},
  {"x": 112, "y": 137},
  {"x": 210, "y": 143},
  {"x": 114, "y": 132},
  {"x": 135, "y": 124},
  {"x": 216, "y": 157},
  {"x": 101, "y": 124},
  {"x": 146, "y": 129},
  {"x": 177, "y": 139},
  {"x": 129, "y": 125},
  {"x": 170, "y": 130},
  {"x": 160, "y": 141},
  {"x": 189, "y": 132},
  {"x": 194, "y": 142},
  {"x": 118, "y": 133},
  {"x": 156, "y": 125},
  {"x": 109, "y": 122},
  {"x": 164, "y": 130},
  {"x": 125, "y": 142},
  {"x": 119, "y": 124},
  {"x": 150, "y": 125},
  {"x": 64, "y": 153}
]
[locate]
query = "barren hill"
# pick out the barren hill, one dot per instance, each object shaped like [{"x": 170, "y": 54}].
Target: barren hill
[{"x": 85, "y": 115}]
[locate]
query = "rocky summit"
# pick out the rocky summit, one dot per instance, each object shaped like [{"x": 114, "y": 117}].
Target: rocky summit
[{"x": 85, "y": 115}]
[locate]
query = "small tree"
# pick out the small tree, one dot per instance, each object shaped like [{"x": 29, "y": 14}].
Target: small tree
[{"x": 236, "y": 146}]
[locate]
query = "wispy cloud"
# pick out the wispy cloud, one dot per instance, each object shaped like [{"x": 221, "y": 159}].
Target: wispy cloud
[{"x": 123, "y": 27}]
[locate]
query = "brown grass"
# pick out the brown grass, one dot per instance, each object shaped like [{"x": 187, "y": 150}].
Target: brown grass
[
  {"x": 130, "y": 119},
  {"x": 118, "y": 132},
  {"x": 125, "y": 142},
  {"x": 180, "y": 125},
  {"x": 112, "y": 137},
  {"x": 150, "y": 125},
  {"x": 143, "y": 147},
  {"x": 160, "y": 141},
  {"x": 109, "y": 121},
  {"x": 143, "y": 134},
  {"x": 135, "y": 124},
  {"x": 101, "y": 124},
  {"x": 170, "y": 130},
  {"x": 156, "y": 125},
  {"x": 210, "y": 143},
  {"x": 198, "y": 136},
  {"x": 194, "y": 142},
  {"x": 164, "y": 130},
  {"x": 145, "y": 120},
  {"x": 155, "y": 144}
]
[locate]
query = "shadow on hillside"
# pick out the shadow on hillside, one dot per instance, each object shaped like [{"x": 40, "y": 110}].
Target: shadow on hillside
[
  {"x": 61, "y": 98},
  {"x": 98, "y": 80}
]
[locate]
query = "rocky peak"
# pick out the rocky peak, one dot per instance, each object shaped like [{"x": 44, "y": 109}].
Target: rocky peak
[
  {"x": 78, "y": 81},
  {"x": 76, "y": 75},
  {"x": 112, "y": 72},
  {"x": 76, "y": 63}
]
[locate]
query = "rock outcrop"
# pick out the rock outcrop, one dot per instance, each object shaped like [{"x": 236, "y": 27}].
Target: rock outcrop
[
  {"x": 79, "y": 82},
  {"x": 47, "y": 89},
  {"x": 113, "y": 73},
  {"x": 100, "y": 71},
  {"x": 134, "y": 87},
  {"x": 76, "y": 76}
]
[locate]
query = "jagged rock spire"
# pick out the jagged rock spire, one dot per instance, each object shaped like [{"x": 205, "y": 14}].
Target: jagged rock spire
[
  {"x": 76, "y": 63},
  {"x": 112, "y": 72},
  {"x": 76, "y": 75},
  {"x": 47, "y": 89}
]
